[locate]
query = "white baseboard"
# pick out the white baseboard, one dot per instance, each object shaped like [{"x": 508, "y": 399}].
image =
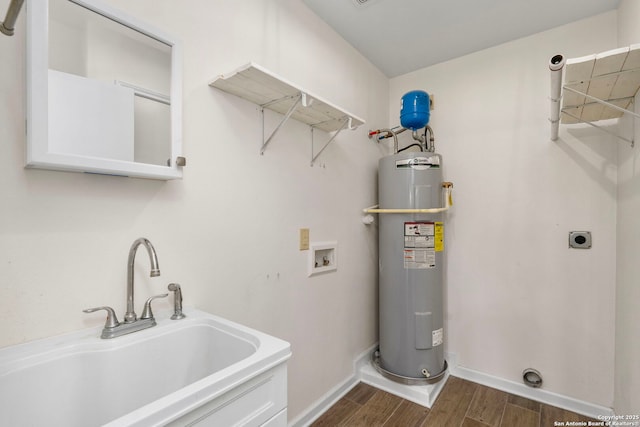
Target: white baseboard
[
  {"x": 363, "y": 372},
  {"x": 538, "y": 394},
  {"x": 321, "y": 405}
]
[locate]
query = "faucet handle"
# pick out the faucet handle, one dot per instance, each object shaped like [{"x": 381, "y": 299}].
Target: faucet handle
[
  {"x": 147, "y": 313},
  {"x": 112, "y": 319}
]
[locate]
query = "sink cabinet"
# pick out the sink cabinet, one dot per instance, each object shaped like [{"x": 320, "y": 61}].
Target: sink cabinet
[{"x": 261, "y": 401}]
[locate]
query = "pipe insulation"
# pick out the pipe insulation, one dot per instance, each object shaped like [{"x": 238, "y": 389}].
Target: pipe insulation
[
  {"x": 556, "y": 65},
  {"x": 447, "y": 188}
]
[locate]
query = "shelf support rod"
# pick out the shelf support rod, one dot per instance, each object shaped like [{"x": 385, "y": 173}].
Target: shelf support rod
[
  {"x": 146, "y": 93},
  {"x": 600, "y": 101},
  {"x": 630, "y": 141},
  {"x": 347, "y": 123},
  {"x": 298, "y": 100}
]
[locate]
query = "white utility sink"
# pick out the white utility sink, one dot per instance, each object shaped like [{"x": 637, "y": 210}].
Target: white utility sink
[{"x": 201, "y": 370}]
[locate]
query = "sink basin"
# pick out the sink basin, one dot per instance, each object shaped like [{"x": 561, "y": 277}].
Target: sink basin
[{"x": 152, "y": 377}]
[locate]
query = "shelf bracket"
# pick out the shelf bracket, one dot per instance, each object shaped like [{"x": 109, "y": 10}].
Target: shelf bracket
[
  {"x": 630, "y": 141},
  {"x": 600, "y": 101},
  {"x": 348, "y": 123},
  {"x": 605, "y": 103},
  {"x": 300, "y": 99}
]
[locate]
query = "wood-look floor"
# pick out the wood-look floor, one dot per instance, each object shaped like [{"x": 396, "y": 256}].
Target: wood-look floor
[{"x": 460, "y": 404}]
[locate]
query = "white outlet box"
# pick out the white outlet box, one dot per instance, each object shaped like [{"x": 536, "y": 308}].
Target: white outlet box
[{"x": 323, "y": 257}]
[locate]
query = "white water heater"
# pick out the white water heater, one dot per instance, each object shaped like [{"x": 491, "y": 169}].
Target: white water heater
[{"x": 411, "y": 263}]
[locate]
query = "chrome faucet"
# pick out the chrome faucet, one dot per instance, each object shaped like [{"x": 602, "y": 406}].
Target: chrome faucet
[
  {"x": 130, "y": 314},
  {"x": 112, "y": 327}
]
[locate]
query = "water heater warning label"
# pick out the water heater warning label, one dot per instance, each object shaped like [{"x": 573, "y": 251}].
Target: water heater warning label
[
  {"x": 437, "y": 337},
  {"x": 439, "y": 237},
  {"x": 419, "y": 245}
]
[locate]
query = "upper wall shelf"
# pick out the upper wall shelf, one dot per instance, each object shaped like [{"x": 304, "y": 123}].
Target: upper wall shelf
[
  {"x": 264, "y": 88},
  {"x": 596, "y": 87}
]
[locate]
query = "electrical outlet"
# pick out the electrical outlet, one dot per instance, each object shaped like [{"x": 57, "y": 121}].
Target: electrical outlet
[{"x": 304, "y": 239}]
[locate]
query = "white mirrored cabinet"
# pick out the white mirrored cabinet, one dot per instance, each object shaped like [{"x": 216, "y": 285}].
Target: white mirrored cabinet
[{"x": 104, "y": 92}]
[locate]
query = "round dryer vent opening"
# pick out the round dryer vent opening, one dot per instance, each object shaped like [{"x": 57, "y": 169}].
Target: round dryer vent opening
[{"x": 532, "y": 378}]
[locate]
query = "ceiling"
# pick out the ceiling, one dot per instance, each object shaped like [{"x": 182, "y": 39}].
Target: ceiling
[{"x": 400, "y": 36}]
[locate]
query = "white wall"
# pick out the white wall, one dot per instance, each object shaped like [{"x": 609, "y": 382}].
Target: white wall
[
  {"x": 517, "y": 296},
  {"x": 228, "y": 232},
  {"x": 627, "y": 369}
]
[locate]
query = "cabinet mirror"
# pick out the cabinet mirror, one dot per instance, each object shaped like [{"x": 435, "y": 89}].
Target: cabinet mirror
[{"x": 104, "y": 92}]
